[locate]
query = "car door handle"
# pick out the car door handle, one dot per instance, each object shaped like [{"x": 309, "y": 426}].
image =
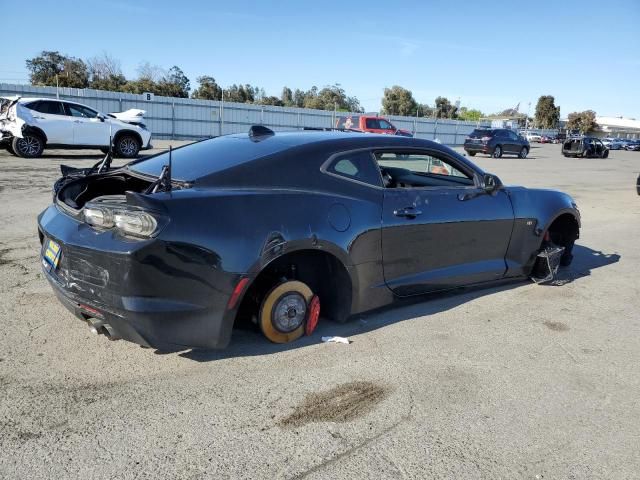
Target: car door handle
[
  {"x": 76, "y": 121},
  {"x": 408, "y": 212}
]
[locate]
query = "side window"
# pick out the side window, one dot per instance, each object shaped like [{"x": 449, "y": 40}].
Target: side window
[
  {"x": 80, "y": 111},
  {"x": 372, "y": 123},
  {"x": 356, "y": 166},
  {"x": 428, "y": 169},
  {"x": 513, "y": 135},
  {"x": 48, "y": 107},
  {"x": 386, "y": 125}
]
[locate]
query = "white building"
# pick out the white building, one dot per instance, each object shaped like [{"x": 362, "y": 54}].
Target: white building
[{"x": 618, "y": 127}]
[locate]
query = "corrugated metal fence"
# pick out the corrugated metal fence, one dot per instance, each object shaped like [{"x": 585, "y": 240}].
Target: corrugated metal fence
[{"x": 183, "y": 118}]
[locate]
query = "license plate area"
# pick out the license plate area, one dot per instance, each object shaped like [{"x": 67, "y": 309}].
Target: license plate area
[{"x": 51, "y": 255}]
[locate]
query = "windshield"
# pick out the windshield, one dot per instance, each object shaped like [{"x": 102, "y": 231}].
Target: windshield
[{"x": 204, "y": 158}]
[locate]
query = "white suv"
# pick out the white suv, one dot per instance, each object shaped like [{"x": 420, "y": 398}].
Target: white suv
[{"x": 28, "y": 125}]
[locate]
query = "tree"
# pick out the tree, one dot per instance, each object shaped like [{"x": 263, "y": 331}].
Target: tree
[
  {"x": 547, "y": 114},
  {"x": 298, "y": 98},
  {"x": 398, "y": 101},
  {"x": 425, "y": 110},
  {"x": 445, "y": 109},
  {"x": 470, "y": 115},
  {"x": 271, "y": 100},
  {"x": 70, "y": 71},
  {"x": 174, "y": 84},
  {"x": 208, "y": 89},
  {"x": 287, "y": 97},
  {"x": 585, "y": 121},
  {"x": 105, "y": 73},
  {"x": 241, "y": 93}
]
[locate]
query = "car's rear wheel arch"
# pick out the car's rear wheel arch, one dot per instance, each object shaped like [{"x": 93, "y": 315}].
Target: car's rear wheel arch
[
  {"x": 322, "y": 271},
  {"x": 29, "y": 130}
]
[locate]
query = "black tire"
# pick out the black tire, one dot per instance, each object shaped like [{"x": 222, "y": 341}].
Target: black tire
[
  {"x": 472, "y": 154},
  {"x": 605, "y": 154},
  {"x": 10, "y": 149},
  {"x": 31, "y": 145},
  {"x": 524, "y": 152},
  {"x": 127, "y": 146},
  {"x": 497, "y": 152}
]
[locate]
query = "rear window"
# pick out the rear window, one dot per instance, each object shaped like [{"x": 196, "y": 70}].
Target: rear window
[
  {"x": 349, "y": 122},
  {"x": 209, "y": 156},
  {"x": 481, "y": 132}
]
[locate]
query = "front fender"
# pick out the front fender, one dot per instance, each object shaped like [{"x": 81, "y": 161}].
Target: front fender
[{"x": 534, "y": 211}]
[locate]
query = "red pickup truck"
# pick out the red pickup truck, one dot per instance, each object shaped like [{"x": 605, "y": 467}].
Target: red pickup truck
[{"x": 370, "y": 124}]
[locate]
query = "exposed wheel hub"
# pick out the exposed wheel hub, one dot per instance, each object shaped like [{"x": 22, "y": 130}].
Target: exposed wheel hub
[{"x": 289, "y": 312}]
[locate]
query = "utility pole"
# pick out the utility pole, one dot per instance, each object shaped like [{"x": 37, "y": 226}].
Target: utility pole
[{"x": 526, "y": 120}]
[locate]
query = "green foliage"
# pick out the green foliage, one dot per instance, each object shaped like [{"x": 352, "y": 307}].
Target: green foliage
[
  {"x": 174, "y": 84},
  {"x": 105, "y": 73},
  {"x": 208, "y": 89},
  {"x": 70, "y": 71},
  {"x": 547, "y": 114},
  {"x": 241, "y": 93},
  {"x": 445, "y": 109},
  {"x": 470, "y": 115},
  {"x": 287, "y": 97},
  {"x": 398, "y": 101},
  {"x": 585, "y": 121},
  {"x": 330, "y": 98}
]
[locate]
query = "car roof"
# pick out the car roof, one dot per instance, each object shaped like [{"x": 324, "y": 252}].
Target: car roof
[
  {"x": 210, "y": 157},
  {"x": 49, "y": 99}
]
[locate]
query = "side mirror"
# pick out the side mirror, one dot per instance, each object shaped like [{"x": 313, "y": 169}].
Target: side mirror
[
  {"x": 491, "y": 183},
  {"x": 100, "y": 117}
]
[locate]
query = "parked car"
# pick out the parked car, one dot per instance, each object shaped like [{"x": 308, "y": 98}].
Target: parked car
[
  {"x": 533, "y": 137},
  {"x": 168, "y": 251},
  {"x": 548, "y": 139},
  {"x": 612, "y": 143},
  {"x": 496, "y": 142},
  {"x": 584, "y": 147},
  {"x": 370, "y": 124},
  {"x": 29, "y": 125},
  {"x": 633, "y": 146}
]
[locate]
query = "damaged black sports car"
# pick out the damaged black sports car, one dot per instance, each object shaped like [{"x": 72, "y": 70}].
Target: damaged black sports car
[{"x": 168, "y": 251}]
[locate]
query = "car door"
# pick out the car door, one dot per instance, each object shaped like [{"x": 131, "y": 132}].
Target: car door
[
  {"x": 439, "y": 231},
  {"x": 516, "y": 143},
  {"x": 88, "y": 128},
  {"x": 50, "y": 117},
  {"x": 507, "y": 141}
]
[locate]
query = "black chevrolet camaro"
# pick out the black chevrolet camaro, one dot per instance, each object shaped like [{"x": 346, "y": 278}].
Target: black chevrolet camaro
[{"x": 169, "y": 251}]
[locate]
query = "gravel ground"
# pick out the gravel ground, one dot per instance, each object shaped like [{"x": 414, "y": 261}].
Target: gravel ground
[{"x": 515, "y": 381}]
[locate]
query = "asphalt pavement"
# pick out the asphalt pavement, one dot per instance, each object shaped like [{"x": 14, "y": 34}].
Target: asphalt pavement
[{"x": 512, "y": 381}]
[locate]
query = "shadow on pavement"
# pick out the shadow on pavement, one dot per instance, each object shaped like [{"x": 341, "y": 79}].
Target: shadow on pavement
[{"x": 248, "y": 341}]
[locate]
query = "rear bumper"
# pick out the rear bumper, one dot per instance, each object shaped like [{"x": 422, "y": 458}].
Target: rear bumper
[
  {"x": 477, "y": 148},
  {"x": 154, "y": 293}
]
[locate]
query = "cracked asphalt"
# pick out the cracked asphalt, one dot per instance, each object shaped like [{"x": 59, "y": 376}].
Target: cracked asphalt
[{"x": 512, "y": 381}]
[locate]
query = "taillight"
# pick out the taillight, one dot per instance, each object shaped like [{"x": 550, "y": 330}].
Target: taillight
[{"x": 129, "y": 221}]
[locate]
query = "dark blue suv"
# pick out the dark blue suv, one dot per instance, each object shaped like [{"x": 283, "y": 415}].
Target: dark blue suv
[{"x": 496, "y": 142}]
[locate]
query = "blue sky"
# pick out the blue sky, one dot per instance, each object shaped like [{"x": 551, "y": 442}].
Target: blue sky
[{"x": 490, "y": 54}]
